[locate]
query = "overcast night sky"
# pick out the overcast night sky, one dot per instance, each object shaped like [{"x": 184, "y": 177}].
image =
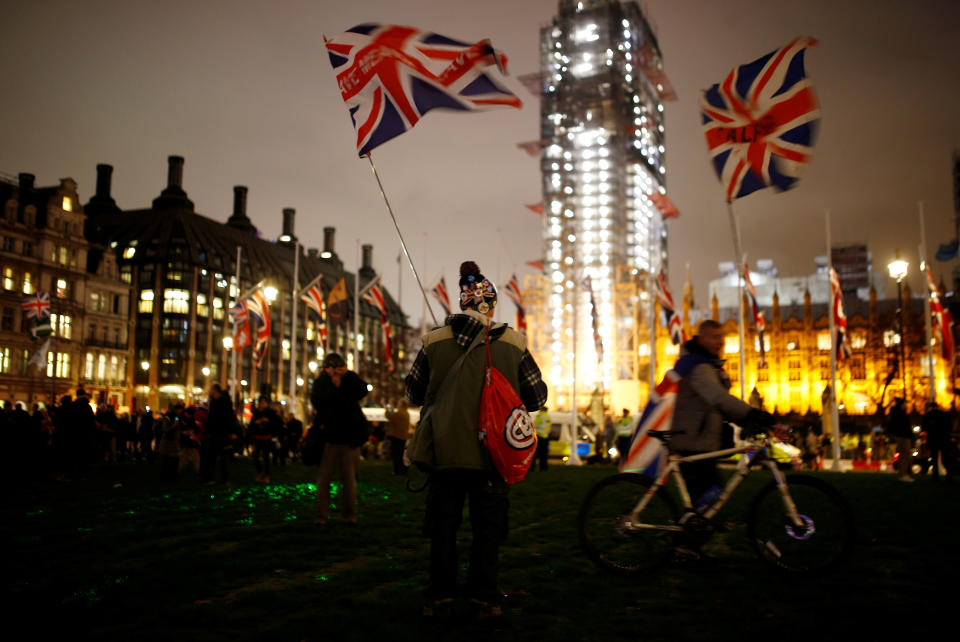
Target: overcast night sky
[{"x": 244, "y": 91}]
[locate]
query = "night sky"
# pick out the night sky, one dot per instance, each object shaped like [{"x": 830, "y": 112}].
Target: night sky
[{"x": 244, "y": 91}]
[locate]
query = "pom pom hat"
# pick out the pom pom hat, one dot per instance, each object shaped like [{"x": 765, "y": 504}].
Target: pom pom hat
[{"x": 476, "y": 291}]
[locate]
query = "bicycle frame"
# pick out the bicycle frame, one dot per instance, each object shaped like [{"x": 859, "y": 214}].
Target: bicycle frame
[{"x": 753, "y": 454}]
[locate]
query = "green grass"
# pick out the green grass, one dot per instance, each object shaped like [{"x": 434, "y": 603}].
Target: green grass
[{"x": 122, "y": 556}]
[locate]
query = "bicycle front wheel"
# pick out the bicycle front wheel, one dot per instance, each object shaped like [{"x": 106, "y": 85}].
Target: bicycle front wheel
[
  {"x": 825, "y": 537},
  {"x": 611, "y": 539}
]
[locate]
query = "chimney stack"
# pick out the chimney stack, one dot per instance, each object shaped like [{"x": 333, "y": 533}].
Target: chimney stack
[
  {"x": 288, "y": 214},
  {"x": 313, "y": 253},
  {"x": 366, "y": 265},
  {"x": 328, "y": 236},
  {"x": 239, "y": 201},
  {"x": 175, "y": 171},
  {"x": 26, "y": 183},
  {"x": 104, "y": 177}
]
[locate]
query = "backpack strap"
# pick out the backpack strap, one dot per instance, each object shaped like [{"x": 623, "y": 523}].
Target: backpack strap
[{"x": 450, "y": 376}]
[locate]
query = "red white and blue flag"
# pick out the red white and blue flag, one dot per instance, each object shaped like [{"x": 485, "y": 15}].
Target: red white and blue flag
[
  {"x": 759, "y": 323},
  {"x": 37, "y": 306},
  {"x": 390, "y": 76},
  {"x": 760, "y": 122},
  {"x": 439, "y": 292},
  {"x": 595, "y": 321},
  {"x": 260, "y": 308},
  {"x": 512, "y": 290},
  {"x": 240, "y": 317},
  {"x": 647, "y": 454},
  {"x": 942, "y": 321},
  {"x": 374, "y": 296},
  {"x": 313, "y": 297},
  {"x": 677, "y": 335},
  {"x": 842, "y": 340}
]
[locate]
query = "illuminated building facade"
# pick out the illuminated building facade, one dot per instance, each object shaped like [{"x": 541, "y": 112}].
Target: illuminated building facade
[{"x": 602, "y": 154}]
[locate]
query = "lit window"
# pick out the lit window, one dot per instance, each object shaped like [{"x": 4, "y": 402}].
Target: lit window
[
  {"x": 176, "y": 301},
  {"x": 146, "y": 302},
  {"x": 4, "y": 360},
  {"x": 64, "y": 256},
  {"x": 67, "y": 204},
  {"x": 28, "y": 283},
  {"x": 766, "y": 343},
  {"x": 890, "y": 338},
  {"x": 88, "y": 367},
  {"x": 101, "y": 367},
  {"x": 62, "y": 289},
  {"x": 202, "y": 308},
  {"x": 731, "y": 345},
  {"x": 823, "y": 341},
  {"x": 858, "y": 340},
  {"x": 129, "y": 252},
  {"x": 8, "y": 278}
]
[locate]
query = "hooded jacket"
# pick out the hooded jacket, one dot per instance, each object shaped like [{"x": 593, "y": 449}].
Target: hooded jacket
[{"x": 703, "y": 401}]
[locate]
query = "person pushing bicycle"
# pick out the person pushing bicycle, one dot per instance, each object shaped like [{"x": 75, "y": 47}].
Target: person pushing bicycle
[{"x": 703, "y": 403}]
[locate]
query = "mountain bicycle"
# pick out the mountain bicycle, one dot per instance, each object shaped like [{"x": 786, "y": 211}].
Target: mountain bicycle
[{"x": 629, "y": 523}]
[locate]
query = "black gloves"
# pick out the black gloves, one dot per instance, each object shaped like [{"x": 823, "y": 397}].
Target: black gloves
[{"x": 755, "y": 421}]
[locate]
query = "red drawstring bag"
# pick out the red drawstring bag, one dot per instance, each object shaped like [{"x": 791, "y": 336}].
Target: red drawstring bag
[{"x": 506, "y": 429}]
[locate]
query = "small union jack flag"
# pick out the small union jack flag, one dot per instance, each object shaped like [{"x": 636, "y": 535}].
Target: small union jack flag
[
  {"x": 390, "y": 76},
  {"x": 760, "y": 122},
  {"x": 677, "y": 335},
  {"x": 260, "y": 308},
  {"x": 240, "y": 317},
  {"x": 664, "y": 205},
  {"x": 374, "y": 297},
  {"x": 942, "y": 320},
  {"x": 512, "y": 290},
  {"x": 439, "y": 292},
  {"x": 759, "y": 323},
  {"x": 839, "y": 318},
  {"x": 37, "y": 306},
  {"x": 313, "y": 297}
]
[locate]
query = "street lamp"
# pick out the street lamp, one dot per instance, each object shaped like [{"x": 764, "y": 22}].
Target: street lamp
[
  {"x": 145, "y": 365},
  {"x": 205, "y": 370},
  {"x": 898, "y": 271},
  {"x": 271, "y": 293},
  {"x": 228, "y": 343}
]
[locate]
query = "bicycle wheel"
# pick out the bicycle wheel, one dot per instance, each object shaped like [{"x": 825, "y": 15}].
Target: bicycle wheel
[
  {"x": 610, "y": 539},
  {"x": 824, "y": 540}
]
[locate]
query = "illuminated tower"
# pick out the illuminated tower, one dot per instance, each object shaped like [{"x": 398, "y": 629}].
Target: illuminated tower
[{"x": 602, "y": 154}]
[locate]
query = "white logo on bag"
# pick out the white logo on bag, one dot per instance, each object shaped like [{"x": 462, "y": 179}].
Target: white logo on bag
[{"x": 519, "y": 430}]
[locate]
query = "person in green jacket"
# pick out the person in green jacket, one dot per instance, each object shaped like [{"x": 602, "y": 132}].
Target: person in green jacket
[{"x": 461, "y": 468}]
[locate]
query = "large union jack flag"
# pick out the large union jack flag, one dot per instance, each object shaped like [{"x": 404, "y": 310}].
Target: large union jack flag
[
  {"x": 374, "y": 296},
  {"x": 665, "y": 298},
  {"x": 759, "y": 323},
  {"x": 390, "y": 76},
  {"x": 842, "y": 345},
  {"x": 260, "y": 308},
  {"x": 760, "y": 121},
  {"x": 37, "y": 306},
  {"x": 313, "y": 297},
  {"x": 240, "y": 317},
  {"x": 439, "y": 292},
  {"x": 942, "y": 320},
  {"x": 647, "y": 454},
  {"x": 512, "y": 290}
]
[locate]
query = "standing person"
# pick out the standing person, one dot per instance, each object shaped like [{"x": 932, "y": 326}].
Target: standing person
[
  {"x": 223, "y": 432},
  {"x": 398, "y": 429},
  {"x": 898, "y": 427},
  {"x": 190, "y": 439},
  {"x": 703, "y": 402},
  {"x": 294, "y": 428},
  {"x": 85, "y": 425},
  {"x": 543, "y": 426},
  {"x": 623, "y": 431},
  {"x": 264, "y": 427},
  {"x": 169, "y": 443},
  {"x": 462, "y": 468},
  {"x": 336, "y": 399},
  {"x": 937, "y": 424},
  {"x": 145, "y": 437}
]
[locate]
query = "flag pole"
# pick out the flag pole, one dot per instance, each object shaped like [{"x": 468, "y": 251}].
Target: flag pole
[
  {"x": 233, "y": 353},
  {"x": 834, "y": 406},
  {"x": 403, "y": 245},
  {"x": 295, "y": 282},
  {"x": 735, "y": 231},
  {"x": 926, "y": 303},
  {"x": 356, "y": 314},
  {"x": 651, "y": 313}
]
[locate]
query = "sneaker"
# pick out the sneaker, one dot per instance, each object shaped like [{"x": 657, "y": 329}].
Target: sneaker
[
  {"x": 484, "y": 610},
  {"x": 440, "y": 608}
]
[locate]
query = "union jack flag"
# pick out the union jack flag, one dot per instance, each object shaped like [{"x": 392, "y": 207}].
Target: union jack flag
[
  {"x": 664, "y": 205},
  {"x": 647, "y": 454},
  {"x": 760, "y": 121},
  {"x": 842, "y": 345},
  {"x": 374, "y": 296},
  {"x": 677, "y": 335},
  {"x": 942, "y": 319},
  {"x": 512, "y": 290},
  {"x": 260, "y": 308},
  {"x": 37, "y": 306},
  {"x": 313, "y": 297},
  {"x": 597, "y": 339},
  {"x": 759, "y": 323},
  {"x": 240, "y": 317},
  {"x": 390, "y": 76},
  {"x": 439, "y": 292}
]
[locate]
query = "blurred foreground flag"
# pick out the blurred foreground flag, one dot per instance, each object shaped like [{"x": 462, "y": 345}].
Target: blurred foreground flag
[
  {"x": 760, "y": 122},
  {"x": 390, "y": 76}
]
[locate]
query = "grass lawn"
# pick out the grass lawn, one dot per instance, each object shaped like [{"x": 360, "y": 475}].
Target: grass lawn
[{"x": 122, "y": 556}]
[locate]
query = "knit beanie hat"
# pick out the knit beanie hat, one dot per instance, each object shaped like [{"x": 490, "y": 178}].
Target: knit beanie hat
[{"x": 477, "y": 292}]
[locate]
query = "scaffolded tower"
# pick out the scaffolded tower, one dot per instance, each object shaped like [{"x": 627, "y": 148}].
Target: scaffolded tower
[{"x": 602, "y": 155}]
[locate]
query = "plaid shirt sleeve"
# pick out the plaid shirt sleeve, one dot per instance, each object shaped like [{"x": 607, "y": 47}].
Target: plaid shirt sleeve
[
  {"x": 533, "y": 391},
  {"x": 417, "y": 379}
]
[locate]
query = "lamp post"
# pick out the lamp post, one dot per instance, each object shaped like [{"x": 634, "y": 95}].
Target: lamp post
[{"x": 898, "y": 270}]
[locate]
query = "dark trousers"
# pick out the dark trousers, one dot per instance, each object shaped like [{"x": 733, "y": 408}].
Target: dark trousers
[
  {"x": 262, "y": 448},
  {"x": 488, "y": 517},
  {"x": 700, "y": 476},
  {"x": 396, "y": 455},
  {"x": 543, "y": 452},
  {"x": 623, "y": 446},
  {"x": 218, "y": 462}
]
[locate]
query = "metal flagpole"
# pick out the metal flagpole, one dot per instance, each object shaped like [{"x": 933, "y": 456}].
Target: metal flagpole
[
  {"x": 574, "y": 458},
  {"x": 926, "y": 303},
  {"x": 735, "y": 230},
  {"x": 233, "y": 355},
  {"x": 834, "y": 406},
  {"x": 651, "y": 315},
  {"x": 402, "y": 243},
  {"x": 293, "y": 328},
  {"x": 356, "y": 313}
]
